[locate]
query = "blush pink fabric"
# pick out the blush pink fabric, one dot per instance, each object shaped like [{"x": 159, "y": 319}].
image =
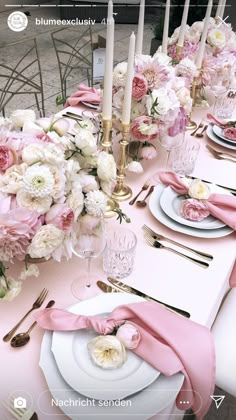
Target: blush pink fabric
[
  {"x": 84, "y": 94},
  {"x": 232, "y": 280},
  {"x": 169, "y": 342},
  {"x": 221, "y": 206}
]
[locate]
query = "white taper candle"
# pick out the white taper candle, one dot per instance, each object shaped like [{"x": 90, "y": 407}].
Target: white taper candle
[
  {"x": 110, "y": 10},
  {"x": 129, "y": 82},
  {"x": 222, "y": 9},
  {"x": 204, "y": 36},
  {"x": 166, "y": 28},
  {"x": 139, "y": 42},
  {"x": 108, "y": 75},
  {"x": 218, "y": 9},
  {"x": 180, "y": 42}
]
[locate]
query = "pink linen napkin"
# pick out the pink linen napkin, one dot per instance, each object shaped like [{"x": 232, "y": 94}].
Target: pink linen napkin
[
  {"x": 222, "y": 123},
  {"x": 232, "y": 280},
  {"x": 221, "y": 206},
  {"x": 84, "y": 94},
  {"x": 169, "y": 342}
]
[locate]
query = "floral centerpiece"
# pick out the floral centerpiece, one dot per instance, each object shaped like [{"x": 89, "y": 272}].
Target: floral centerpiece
[
  {"x": 159, "y": 93},
  {"x": 48, "y": 180}
]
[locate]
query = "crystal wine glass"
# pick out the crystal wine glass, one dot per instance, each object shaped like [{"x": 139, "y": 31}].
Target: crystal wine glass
[
  {"x": 169, "y": 138},
  {"x": 90, "y": 242}
]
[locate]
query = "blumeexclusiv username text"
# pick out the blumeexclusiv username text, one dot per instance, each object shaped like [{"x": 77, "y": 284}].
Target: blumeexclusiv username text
[
  {"x": 90, "y": 403},
  {"x": 64, "y": 22}
]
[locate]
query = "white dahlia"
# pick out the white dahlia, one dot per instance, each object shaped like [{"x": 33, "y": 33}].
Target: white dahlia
[
  {"x": 95, "y": 203},
  {"x": 38, "y": 181}
]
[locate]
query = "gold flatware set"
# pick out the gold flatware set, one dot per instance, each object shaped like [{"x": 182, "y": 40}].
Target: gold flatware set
[{"x": 217, "y": 154}]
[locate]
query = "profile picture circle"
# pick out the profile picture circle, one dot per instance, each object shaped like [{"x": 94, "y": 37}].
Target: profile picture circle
[{"x": 17, "y": 21}]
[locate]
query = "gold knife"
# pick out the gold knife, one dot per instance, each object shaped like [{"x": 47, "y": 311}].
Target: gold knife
[{"x": 128, "y": 289}]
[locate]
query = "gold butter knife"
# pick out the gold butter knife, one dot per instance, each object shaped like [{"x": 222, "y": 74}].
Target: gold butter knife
[{"x": 128, "y": 289}]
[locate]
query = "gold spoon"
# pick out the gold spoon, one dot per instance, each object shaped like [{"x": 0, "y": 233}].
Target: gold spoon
[
  {"x": 22, "y": 339},
  {"x": 142, "y": 203}
]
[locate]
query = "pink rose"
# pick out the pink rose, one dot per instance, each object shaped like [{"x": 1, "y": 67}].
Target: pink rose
[
  {"x": 140, "y": 87},
  {"x": 129, "y": 335},
  {"x": 88, "y": 224},
  {"x": 61, "y": 216},
  {"x": 143, "y": 129},
  {"x": 148, "y": 152},
  {"x": 195, "y": 210},
  {"x": 7, "y": 158}
]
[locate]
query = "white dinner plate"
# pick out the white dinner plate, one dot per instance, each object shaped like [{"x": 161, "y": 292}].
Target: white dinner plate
[
  {"x": 143, "y": 405},
  {"x": 170, "y": 202},
  {"x": 220, "y": 133},
  {"x": 217, "y": 140},
  {"x": 159, "y": 214},
  {"x": 80, "y": 372}
]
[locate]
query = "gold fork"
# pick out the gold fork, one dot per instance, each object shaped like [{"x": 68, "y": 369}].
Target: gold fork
[
  {"x": 39, "y": 301},
  {"x": 221, "y": 155},
  {"x": 159, "y": 237},
  {"x": 144, "y": 188},
  {"x": 18, "y": 412},
  {"x": 154, "y": 243}
]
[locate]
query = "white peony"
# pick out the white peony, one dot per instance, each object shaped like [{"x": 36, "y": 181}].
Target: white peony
[
  {"x": 12, "y": 180},
  {"x": 40, "y": 204},
  {"x": 75, "y": 201},
  {"x": 119, "y": 74},
  {"x": 199, "y": 190},
  {"x": 106, "y": 167},
  {"x": 46, "y": 240},
  {"x": 86, "y": 142},
  {"x": 38, "y": 181},
  {"x": 95, "y": 203},
  {"x": 107, "y": 351},
  {"x": 20, "y": 116},
  {"x": 216, "y": 38},
  {"x": 135, "y": 166}
]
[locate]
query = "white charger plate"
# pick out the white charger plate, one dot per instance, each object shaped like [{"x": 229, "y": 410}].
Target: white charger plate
[
  {"x": 143, "y": 405},
  {"x": 170, "y": 202},
  {"x": 218, "y": 140},
  {"x": 159, "y": 214},
  {"x": 80, "y": 372},
  {"x": 219, "y": 132}
]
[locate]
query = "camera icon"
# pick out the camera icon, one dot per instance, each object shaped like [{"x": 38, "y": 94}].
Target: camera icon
[{"x": 20, "y": 402}]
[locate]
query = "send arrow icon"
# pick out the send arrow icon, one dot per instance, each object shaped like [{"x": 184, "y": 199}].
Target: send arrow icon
[{"x": 218, "y": 399}]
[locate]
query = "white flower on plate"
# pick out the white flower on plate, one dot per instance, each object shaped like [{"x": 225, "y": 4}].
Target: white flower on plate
[
  {"x": 106, "y": 166},
  {"x": 40, "y": 204},
  {"x": 75, "y": 201},
  {"x": 216, "y": 38},
  {"x": 107, "y": 352},
  {"x": 20, "y": 116},
  {"x": 86, "y": 142},
  {"x": 95, "y": 203},
  {"x": 32, "y": 270},
  {"x": 38, "y": 181},
  {"x": 119, "y": 74},
  {"x": 199, "y": 190},
  {"x": 46, "y": 240},
  {"x": 135, "y": 166},
  {"x": 12, "y": 180},
  {"x": 12, "y": 292}
]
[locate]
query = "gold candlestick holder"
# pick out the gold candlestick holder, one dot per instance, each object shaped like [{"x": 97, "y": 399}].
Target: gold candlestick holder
[
  {"x": 191, "y": 125},
  {"x": 122, "y": 192},
  {"x": 199, "y": 100},
  {"x": 179, "y": 50}
]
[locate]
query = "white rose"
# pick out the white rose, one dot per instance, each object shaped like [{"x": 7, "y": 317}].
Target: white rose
[
  {"x": 135, "y": 166},
  {"x": 75, "y": 201},
  {"x": 87, "y": 182},
  {"x": 86, "y": 142},
  {"x": 216, "y": 38},
  {"x": 46, "y": 240},
  {"x": 199, "y": 190},
  {"x": 119, "y": 74},
  {"x": 107, "y": 352},
  {"x": 12, "y": 180},
  {"x": 163, "y": 104},
  {"x": 20, "y": 116},
  {"x": 106, "y": 166}
]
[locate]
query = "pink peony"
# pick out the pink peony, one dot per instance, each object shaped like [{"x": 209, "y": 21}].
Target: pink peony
[
  {"x": 17, "y": 228},
  {"x": 195, "y": 210},
  {"x": 148, "y": 152},
  {"x": 129, "y": 335},
  {"x": 61, "y": 216},
  {"x": 143, "y": 129},
  {"x": 140, "y": 87},
  {"x": 7, "y": 158},
  {"x": 179, "y": 124}
]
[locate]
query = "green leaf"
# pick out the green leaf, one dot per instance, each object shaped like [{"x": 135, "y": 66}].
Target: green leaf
[{"x": 60, "y": 100}]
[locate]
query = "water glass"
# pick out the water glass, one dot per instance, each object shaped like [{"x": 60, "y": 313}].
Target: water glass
[
  {"x": 225, "y": 104},
  {"x": 118, "y": 258},
  {"x": 184, "y": 158}
]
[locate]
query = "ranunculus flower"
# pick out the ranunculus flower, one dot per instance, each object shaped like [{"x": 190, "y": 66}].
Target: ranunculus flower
[
  {"x": 20, "y": 116},
  {"x": 7, "y": 158},
  {"x": 195, "y": 210},
  {"x": 139, "y": 87},
  {"x": 143, "y": 129},
  {"x": 129, "y": 335},
  {"x": 107, "y": 352},
  {"x": 61, "y": 216},
  {"x": 148, "y": 152},
  {"x": 199, "y": 190}
]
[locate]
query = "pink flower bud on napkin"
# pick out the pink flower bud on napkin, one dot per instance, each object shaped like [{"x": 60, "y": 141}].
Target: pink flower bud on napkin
[
  {"x": 195, "y": 210},
  {"x": 129, "y": 335}
]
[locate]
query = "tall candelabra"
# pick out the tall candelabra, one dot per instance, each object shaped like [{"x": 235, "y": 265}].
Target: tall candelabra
[
  {"x": 179, "y": 50},
  {"x": 122, "y": 192}
]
